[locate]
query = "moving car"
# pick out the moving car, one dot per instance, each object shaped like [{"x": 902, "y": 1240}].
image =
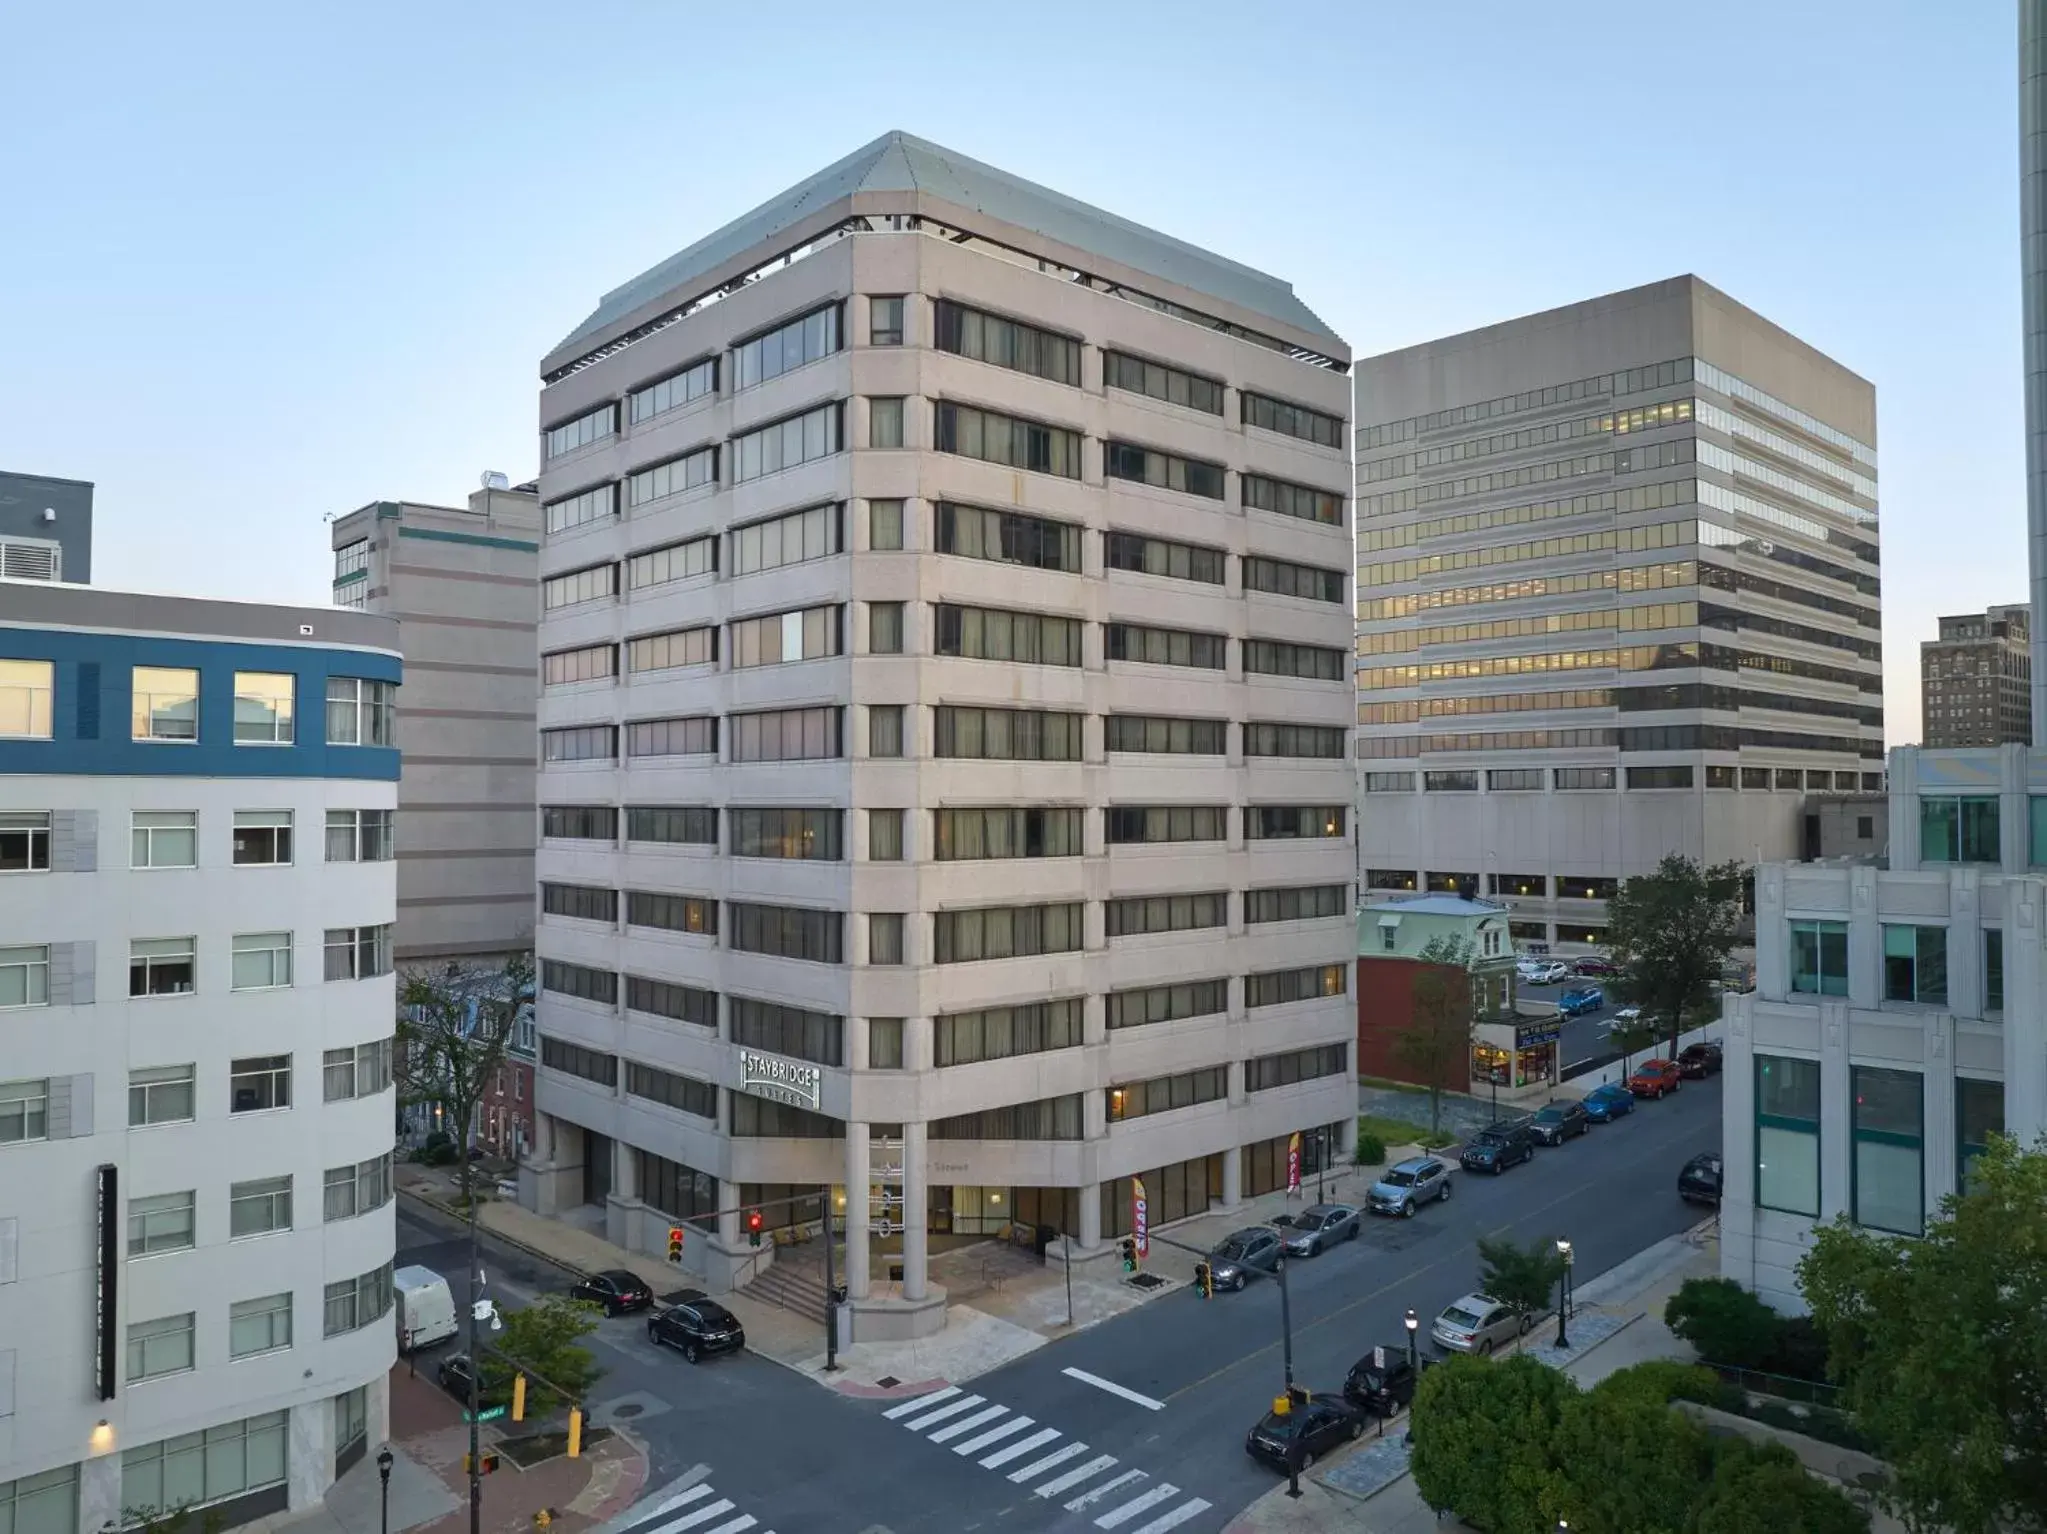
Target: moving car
[
  {"x": 1498, "y": 1147},
  {"x": 1382, "y": 1381},
  {"x": 1478, "y": 1324},
  {"x": 1554, "y": 1123},
  {"x": 1318, "y": 1226},
  {"x": 1655, "y": 1078},
  {"x": 697, "y": 1325},
  {"x": 1237, "y": 1257},
  {"x": 1580, "y": 999},
  {"x": 1596, "y": 967},
  {"x": 1695, "y": 1062},
  {"x": 614, "y": 1289},
  {"x": 1323, "y": 1423},
  {"x": 1627, "y": 1017},
  {"x": 1605, "y": 1104},
  {"x": 1699, "y": 1182},
  {"x": 453, "y": 1372},
  {"x": 1545, "y": 971},
  {"x": 1408, "y": 1185}
]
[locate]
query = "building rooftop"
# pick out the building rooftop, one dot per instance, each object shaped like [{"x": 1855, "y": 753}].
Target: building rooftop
[
  {"x": 897, "y": 162},
  {"x": 50, "y": 605}
]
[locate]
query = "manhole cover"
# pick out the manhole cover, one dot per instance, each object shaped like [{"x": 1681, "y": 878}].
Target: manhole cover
[
  {"x": 888, "y": 1382},
  {"x": 627, "y": 1409},
  {"x": 1146, "y": 1281}
]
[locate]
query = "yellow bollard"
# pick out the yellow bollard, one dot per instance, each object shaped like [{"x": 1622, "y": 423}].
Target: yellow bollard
[
  {"x": 519, "y": 1398},
  {"x": 575, "y": 1431}
]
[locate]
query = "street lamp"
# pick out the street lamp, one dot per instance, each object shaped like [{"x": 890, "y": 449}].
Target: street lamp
[
  {"x": 1563, "y": 1310},
  {"x": 384, "y": 1482},
  {"x": 1414, "y": 1325}
]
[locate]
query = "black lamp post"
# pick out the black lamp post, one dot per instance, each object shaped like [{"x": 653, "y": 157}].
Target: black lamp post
[
  {"x": 384, "y": 1483},
  {"x": 1414, "y": 1325},
  {"x": 1563, "y": 1310}
]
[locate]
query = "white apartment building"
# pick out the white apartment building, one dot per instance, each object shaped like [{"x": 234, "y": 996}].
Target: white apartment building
[
  {"x": 1899, "y": 1016},
  {"x": 196, "y": 1004},
  {"x": 944, "y": 778}
]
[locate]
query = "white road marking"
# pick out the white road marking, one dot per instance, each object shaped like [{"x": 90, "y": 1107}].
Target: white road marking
[
  {"x": 705, "y": 1514},
  {"x": 1129, "y": 1510},
  {"x": 1073, "y": 1478},
  {"x": 911, "y": 1407},
  {"x": 1038, "y": 1467},
  {"x": 1175, "y": 1518},
  {"x": 953, "y": 1430},
  {"x": 1019, "y": 1450},
  {"x": 964, "y": 1403},
  {"x": 1013, "y": 1425},
  {"x": 738, "y": 1525},
  {"x": 1089, "y": 1498},
  {"x": 678, "y": 1491},
  {"x": 681, "y": 1499},
  {"x": 1114, "y": 1389}
]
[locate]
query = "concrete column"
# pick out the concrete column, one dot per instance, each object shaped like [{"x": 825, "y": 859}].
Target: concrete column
[
  {"x": 543, "y": 1138},
  {"x": 728, "y": 1213},
  {"x": 1937, "y": 1148},
  {"x": 625, "y": 1170},
  {"x": 1233, "y": 1176},
  {"x": 1090, "y": 1235},
  {"x": 1965, "y": 943},
  {"x": 2025, "y": 1009},
  {"x": 1836, "y": 1109},
  {"x": 99, "y": 1491},
  {"x": 1865, "y": 940},
  {"x": 916, "y": 1213},
  {"x": 859, "y": 1178}
]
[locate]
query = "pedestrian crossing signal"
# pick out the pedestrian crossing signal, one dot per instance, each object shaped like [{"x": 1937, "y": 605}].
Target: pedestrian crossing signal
[
  {"x": 486, "y": 1463},
  {"x": 675, "y": 1243},
  {"x": 1129, "y": 1247},
  {"x": 1204, "y": 1280},
  {"x": 753, "y": 1227}
]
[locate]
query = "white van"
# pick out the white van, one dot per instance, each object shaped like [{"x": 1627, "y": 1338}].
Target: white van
[{"x": 426, "y": 1310}]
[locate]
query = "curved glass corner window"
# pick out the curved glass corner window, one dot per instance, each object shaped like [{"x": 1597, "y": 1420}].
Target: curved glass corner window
[
  {"x": 1963, "y": 828},
  {"x": 1890, "y": 1150},
  {"x": 1819, "y": 958},
  {"x": 1915, "y": 965},
  {"x": 1788, "y": 1134}
]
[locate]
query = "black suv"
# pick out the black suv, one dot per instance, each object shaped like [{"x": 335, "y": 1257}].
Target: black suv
[
  {"x": 1695, "y": 1062},
  {"x": 1554, "y": 1123},
  {"x": 697, "y": 1325},
  {"x": 1496, "y": 1148},
  {"x": 1382, "y": 1381},
  {"x": 1699, "y": 1182}
]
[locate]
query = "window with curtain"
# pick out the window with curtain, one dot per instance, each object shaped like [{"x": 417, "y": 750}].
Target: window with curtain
[
  {"x": 1889, "y": 1111},
  {"x": 1819, "y": 957},
  {"x": 1788, "y": 1134},
  {"x": 1979, "y": 1114},
  {"x": 1915, "y": 964}
]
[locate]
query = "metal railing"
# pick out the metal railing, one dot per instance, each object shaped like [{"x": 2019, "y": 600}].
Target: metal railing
[{"x": 1782, "y": 1386}]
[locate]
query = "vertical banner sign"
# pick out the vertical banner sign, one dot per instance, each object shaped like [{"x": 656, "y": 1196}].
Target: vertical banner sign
[
  {"x": 1293, "y": 1163},
  {"x": 1140, "y": 1218},
  {"x": 106, "y": 1271}
]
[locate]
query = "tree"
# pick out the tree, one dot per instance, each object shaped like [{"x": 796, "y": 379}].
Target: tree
[
  {"x": 543, "y": 1342},
  {"x": 1941, "y": 1351},
  {"x": 1635, "y": 1465},
  {"x": 1521, "y": 1278},
  {"x": 1726, "y": 1323},
  {"x": 1486, "y": 1442},
  {"x": 1671, "y": 932},
  {"x": 1761, "y": 1488},
  {"x": 453, "y": 1025},
  {"x": 1437, "y": 1039}
]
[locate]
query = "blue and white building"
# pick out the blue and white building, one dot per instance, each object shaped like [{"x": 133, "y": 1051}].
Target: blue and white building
[{"x": 196, "y": 1014}]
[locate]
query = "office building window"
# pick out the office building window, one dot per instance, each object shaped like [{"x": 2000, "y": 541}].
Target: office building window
[
  {"x": 164, "y": 839},
  {"x": 1289, "y": 822},
  {"x": 197, "y": 1469},
  {"x": 1915, "y": 964},
  {"x": 1006, "y": 343},
  {"x": 1584, "y": 777},
  {"x": 163, "y": 1222},
  {"x": 564, "y": 979},
  {"x": 1389, "y": 782},
  {"x": 885, "y": 730},
  {"x": 581, "y": 902},
  {"x": 663, "y": 998},
  {"x": 1130, "y": 824},
  {"x": 1000, "y": 1033},
  {"x": 994, "y": 633},
  {"x": 1502, "y": 780},
  {"x": 1167, "y": 1003},
  {"x": 803, "y": 834},
  {"x": 885, "y": 628},
  {"x": 258, "y": 1208},
  {"x": 162, "y": 1094},
  {"x": 786, "y": 932},
  {"x": 1300, "y": 902},
  {"x": 1261, "y": 493},
  {"x": 1007, "y": 440},
  {"x": 1659, "y": 777},
  {"x": 780, "y": 1030},
  {"x": 1164, "y": 647},
  {"x": 259, "y": 1083},
  {"x": 1392, "y": 879},
  {"x": 1993, "y": 969},
  {"x": 579, "y": 432},
  {"x": 591, "y": 663},
  {"x": 1819, "y": 958},
  {"x": 756, "y": 1117},
  {"x": 694, "y": 914},
  {"x": 885, "y": 836},
  {"x": 163, "y": 966},
  {"x": 1292, "y": 420},
  {"x": 1294, "y": 740},
  {"x": 1274, "y": 988},
  {"x": 682, "y": 824},
  {"x": 1451, "y": 781},
  {"x": 790, "y": 345},
  {"x": 885, "y": 524},
  {"x": 884, "y": 1049},
  {"x": 262, "y": 838},
  {"x": 1889, "y": 1173},
  {"x": 784, "y": 444},
  {"x": 680, "y": 1192},
  {"x": 1281, "y": 578},
  {"x": 24, "y": 1111},
  {"x": 1587, "y": 887},
  {"x": 793, "y": 538},
  {"x": 166, "y": 703},
  {"x": 966, "y": 834},
  {"x": 885, "y": 937},
  {"x": 1162, "y": 1094},
  {"x": 264, "y": 707},
  {"x": 673, "y": 650},
  {"x": 1006, "y": 537},
  {"x": 1162, "y": 470},
  {"x": 358, "y": 953},
  {"x": 362, "y": 1071},
  {"x": 689, "y": 560},
  {"x": 666, "y": 1087},
  {"x": 1161, "y": 556},
  {"x": 885, "y": 320},
  {"x": 259, "y": 1326},
  {"x": 780, "y": 638},
  {"x": 1138, "y": 915},
  {"x": 1535, "y": 885},
  {"x": 1296, "y": 1065},
  {"x": 1006, "y": 734},
  {"x": 160, "y": 1347},
  {"x": 24, "y": 843},
  {"x": 594, "y": 583},
  {"x": 696, "y": 735},
  {"x": 582, "y": 508},
  {"x": 671, "y": 393},
  {"x": 354, "y": 1303},
  {"x": 1788, "y": 1134},
  {"x": 1316, "y": 663},
  {"x": 360, "y": 712},
  {"x": 348, "y": 1191},
  {"x": 786, "y": 735},
  {"x": 1050, "y": 1118},
  {"x": 885, "y": 421},
  {"x": 1154, "y": 380},
  {"x": 1007, "y": 932},
  {"x": 575, "y": 1060},
  {"x": 1979, "y": 1114},
  {"x": 26, "y": 687},
  {"x": 579, "y": 822},
  {"x": 359, "y": 836}
]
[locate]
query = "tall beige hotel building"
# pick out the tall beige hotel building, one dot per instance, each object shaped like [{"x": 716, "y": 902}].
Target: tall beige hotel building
[
  {"x": 945, "y": 784},
  {"x": 1617, "y": 597}
]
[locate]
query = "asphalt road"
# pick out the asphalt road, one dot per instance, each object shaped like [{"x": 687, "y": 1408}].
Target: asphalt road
[{"x": 800, "y": 1460}]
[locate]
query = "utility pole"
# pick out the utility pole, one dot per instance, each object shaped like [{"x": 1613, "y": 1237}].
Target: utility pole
[
  {"x": 475, "y": 1353},
  {"x": 1067, "y": 1248},
  {"x": 831, "y": 1286},
  {"x": 1286, "y": 1325}
]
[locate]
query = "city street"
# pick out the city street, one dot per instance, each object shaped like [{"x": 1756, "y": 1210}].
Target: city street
[{"x": 1151, "y": 1408}]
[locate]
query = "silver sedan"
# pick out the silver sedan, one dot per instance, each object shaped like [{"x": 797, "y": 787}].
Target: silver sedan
[
  {"x": 1319, "y": 1226},
  {"x": 1478, "y": 1324}
]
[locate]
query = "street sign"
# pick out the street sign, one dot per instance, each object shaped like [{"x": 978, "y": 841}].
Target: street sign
[{"x": 488, "y": 1414}]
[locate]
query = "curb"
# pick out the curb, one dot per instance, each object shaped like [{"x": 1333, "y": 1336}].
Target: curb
[{"x": 860, "y": 1392}]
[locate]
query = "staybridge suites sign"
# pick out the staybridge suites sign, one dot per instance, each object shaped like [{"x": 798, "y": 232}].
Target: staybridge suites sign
[{"x": 780, "y": 1080}]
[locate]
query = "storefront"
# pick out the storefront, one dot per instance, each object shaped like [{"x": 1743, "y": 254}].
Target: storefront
[{"x": 1516, "y": 1055}]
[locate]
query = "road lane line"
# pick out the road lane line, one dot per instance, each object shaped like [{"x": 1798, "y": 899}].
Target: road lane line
[
  {"x": 911, "y": 1408},
  {"x": 738, "y": 1525},
  {"x": 1129, "y": 1510},
  {"x": 1175, "y": 1518},
  {"x": 1114, "y": 1389},
  {"x": 1040, "y": 1466},
  {"x": 1017, "y": 1450},
  {"x": 705, "y": 1514},
  {"x": 1073, "y": 1478},
  {"x": 1089, "y": 1498},
  {"x": 681, "y": 1499},
  {"x": 964, "y": 1403},
  {"x": 953, "y": 1430},
  {"x": 666, "y": 1500},
  {"x": 1013, "y": 1425}
]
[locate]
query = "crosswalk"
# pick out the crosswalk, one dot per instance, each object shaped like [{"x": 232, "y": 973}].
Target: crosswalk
[
  {"x": 1055, "y": 1467},
  {"x": 697, "y": 1509}
]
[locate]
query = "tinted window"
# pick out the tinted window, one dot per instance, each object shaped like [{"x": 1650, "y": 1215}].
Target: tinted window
[{"x": 1400, "y": 1179}]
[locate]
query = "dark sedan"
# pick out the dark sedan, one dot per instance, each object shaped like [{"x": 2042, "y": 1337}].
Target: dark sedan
[
  {"x": 1382, "y": 1381},
  {"x": 697, "y": 1327},
  {"x": 614, "y": 1289},
  {"x": 1237, "y": 1257},
  {"x": 1695, "y": 1062},
  {"x": 1699, "y": 1182},
  {"x": 1322, "y": 1423},
  {"x": 1499, "y": 1147},
  {"x": 1554, "y": 1123}
]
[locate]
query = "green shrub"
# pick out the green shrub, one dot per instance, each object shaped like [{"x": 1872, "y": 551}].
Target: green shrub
[
  {"x": 441, "y": 1154},
  {"x": 1762, "y": 1489},
  {"x": 1371, "y": 1149},
  {"x": 1725, "y": 1322},
  {"x": 1659, "y": 1381},
  {"x": 1799, "y": 1352},
  {"x": 1634, "y": 1464}
]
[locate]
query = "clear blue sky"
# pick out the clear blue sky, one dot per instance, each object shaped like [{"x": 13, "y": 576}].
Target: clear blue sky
[{"x": 261, "y": 263}]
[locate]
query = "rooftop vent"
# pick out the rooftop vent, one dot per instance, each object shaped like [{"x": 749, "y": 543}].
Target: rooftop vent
[{"x": 30, "y": 559}]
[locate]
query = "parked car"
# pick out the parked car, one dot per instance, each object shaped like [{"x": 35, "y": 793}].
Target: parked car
[
  {"x": 614, "y": 1289},
  {"x": 697, "y": 1326},
  {"x": 453, "y": 1372},
  {"x": 1655, "y": 1078},
  {"x": 1605, "y": 1104},
  {"x": 1695, "y": 1062},
  {"x": 1498, "y": 1147},
  {"x": 1237, "y": 1257},
  {"x": 1478, "y": 1324},
  {"x": 1596, "y": 967},
  {"x": 1546, "y": 972},
  {"x": 1319, "y": 1226},
  {"x": 1579, "y": 1000},
  {"x": 1320, "y": 1425},
  {"x": 1554, "y": 1123},
  {"x": 1627, "y": 1017},
  {"x": 1699, "y": 1182},
  {"x": 1409, "y": 1184},
  {"x": 1382, "y": 1381}
]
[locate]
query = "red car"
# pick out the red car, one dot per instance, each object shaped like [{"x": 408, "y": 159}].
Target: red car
[
  {"x": 1601, "y": 969},
  {"x": 1655, "y": 1078}
]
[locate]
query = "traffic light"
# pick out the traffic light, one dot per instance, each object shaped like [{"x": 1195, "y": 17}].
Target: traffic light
[
  {"x": 486, "y": 1464},
  {"x": 753, "y": 1227},
  {"x": 1129, "y": 1250},
  {"x": 1204, "y": 1280},
  {"x": 675, "y": 1243}
]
